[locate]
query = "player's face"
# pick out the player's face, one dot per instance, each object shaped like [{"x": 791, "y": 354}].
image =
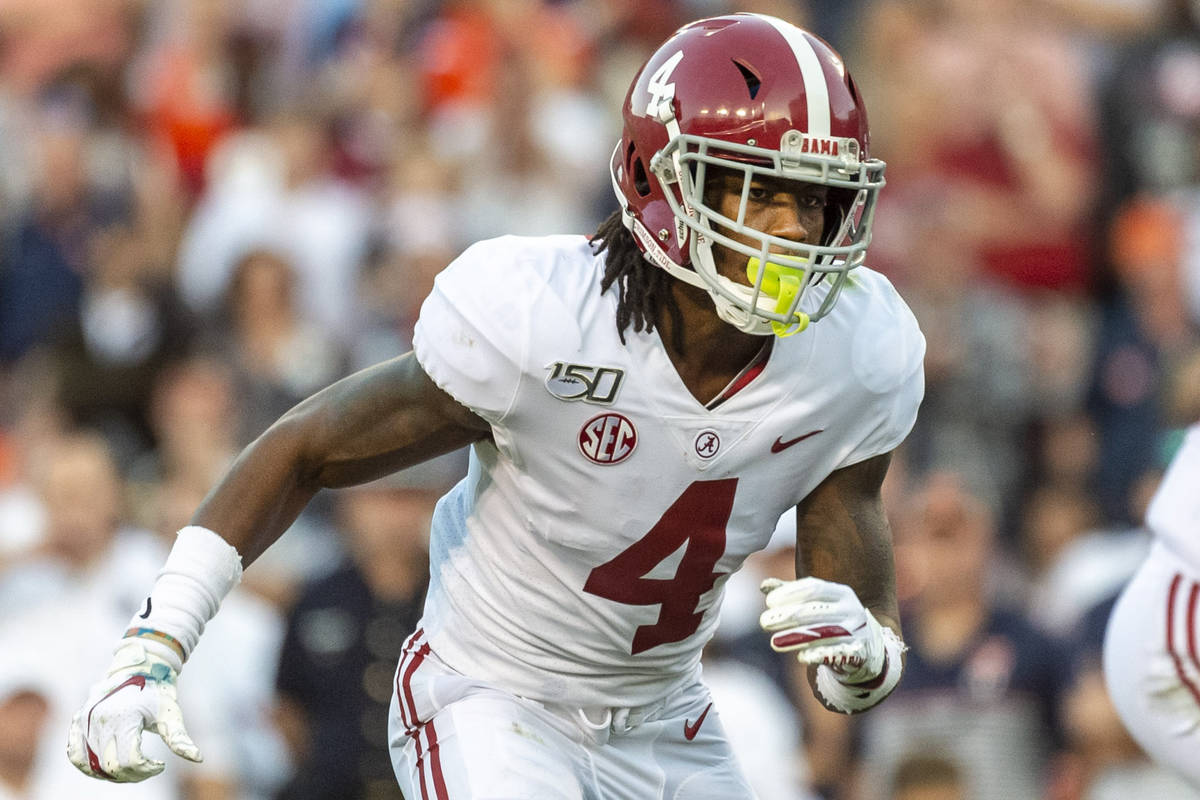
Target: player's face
[{"x": 787, "y": 209}]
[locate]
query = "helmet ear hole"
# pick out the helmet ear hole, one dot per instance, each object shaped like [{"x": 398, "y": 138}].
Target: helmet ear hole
[
  {"x": 753, "y": 82},
  {"x": 641, "y": 183},
  {"x": 853, "y": 87}
]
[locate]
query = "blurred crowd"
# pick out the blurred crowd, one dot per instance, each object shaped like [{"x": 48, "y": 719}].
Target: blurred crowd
[{"x": 210, "y": 209}]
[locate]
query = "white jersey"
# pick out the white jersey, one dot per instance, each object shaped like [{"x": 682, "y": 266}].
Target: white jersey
[
  {"x": 1150, "y": 665},
  {"x": 583, "y": 558},
  {"x": 1174, "y": 513}
]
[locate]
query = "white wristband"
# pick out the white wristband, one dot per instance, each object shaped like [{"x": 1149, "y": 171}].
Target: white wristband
[
  {"x": 853, "y": 697},
  {"x": 201, "y": 569}
]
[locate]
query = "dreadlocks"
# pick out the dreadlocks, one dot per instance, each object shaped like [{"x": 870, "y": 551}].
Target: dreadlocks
[{"x": 643, "y": 288}]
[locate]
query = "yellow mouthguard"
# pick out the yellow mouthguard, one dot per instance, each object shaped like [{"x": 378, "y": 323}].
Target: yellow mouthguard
[{"x": 781, "y": 282}]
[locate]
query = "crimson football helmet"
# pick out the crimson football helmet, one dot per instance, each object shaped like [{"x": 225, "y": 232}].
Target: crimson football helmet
[{"x": 759, "y": 96}]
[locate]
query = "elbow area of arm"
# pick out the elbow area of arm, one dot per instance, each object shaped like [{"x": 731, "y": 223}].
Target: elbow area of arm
[{"x": 295, "y": 443}]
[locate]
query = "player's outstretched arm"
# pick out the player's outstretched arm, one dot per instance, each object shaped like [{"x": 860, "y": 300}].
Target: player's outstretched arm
[
  {"x": 365, "y": 426},
  {"x": 841, "y": 617}
]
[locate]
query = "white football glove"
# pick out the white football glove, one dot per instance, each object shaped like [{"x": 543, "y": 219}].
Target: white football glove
[
  {"x": 824, "y": 623},
  {"x": 139, "y": 694}
]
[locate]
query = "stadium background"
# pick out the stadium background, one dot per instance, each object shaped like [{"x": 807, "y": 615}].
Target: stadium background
[{"x": 209, "y": 209}]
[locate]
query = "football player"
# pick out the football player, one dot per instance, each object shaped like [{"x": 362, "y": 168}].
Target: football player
[
  {"x": 1151, "y": 660},
  {"x": 641, "y": 406}
]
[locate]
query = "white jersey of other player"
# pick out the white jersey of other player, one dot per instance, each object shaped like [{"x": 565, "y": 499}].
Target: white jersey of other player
[
  {"x": 1150, "y": 661},
  {"x": 1174, "y": 512},
  {"x": 582, "y": 559}
]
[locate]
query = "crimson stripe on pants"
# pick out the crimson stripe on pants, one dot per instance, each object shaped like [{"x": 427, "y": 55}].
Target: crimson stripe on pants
[
  {"x": 1191, "y": 625},
  {"x": 406, "y": 684},
  {"x": 428, "y": 733},
  {"x": 435, "y": 763},
  {"x": 409, "y": 646},
  {"x": 1175, "y": 656},
  {"x": 420, "y": 769}
]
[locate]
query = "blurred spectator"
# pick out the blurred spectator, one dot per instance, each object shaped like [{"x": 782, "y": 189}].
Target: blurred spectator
[
  {"x": 186, "y": 84},
  {"x": 981, "y": 684},
  {"x": 42, "y": 39},
  {"x": 24, "y": 707},
  {"x": 46, "y": 258},
  {"x": 1075, "y": 563},
  {"x": 1149, "y": 111},
  {"x": 978, "y": 365},
  {"x": 343, "y": 640},
  {"x": 513, "y": 75},
  {"x": 84, "y": 536},
  {"x": 970, "y": 167},
  {"x": 928, "y": 777},
  {"x": 68, "y": 599},
  {"x": 129, "y": 326},
  {"x": 1060, "y": 339},
  {"x": 280, "y": 357},
  {"x": 83, "y": 169},
  {"x": 272, "y": 189},
  {"x": 416, "y": 235},
  {"x": 16, "y": 159},
  {"x": 1066, "y": 452},
  {"x": 1054, "y": 517},
  {"x": 396, "y": 283},
  {"x": 419, "y": 214},
  {"x": 1145, "y": 334},
  {"x": 982, "y": 109},
  {"x": 31, "y": 423},
  {"x": 194, "y": 414},
  {"x": 1150, "y": 114},
  {"x": 1102, "y": 22}
]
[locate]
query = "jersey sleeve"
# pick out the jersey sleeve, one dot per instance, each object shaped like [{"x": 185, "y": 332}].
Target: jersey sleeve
[
  {"x": 887, "y": 359},
  {"x": 472, "y": 335}
]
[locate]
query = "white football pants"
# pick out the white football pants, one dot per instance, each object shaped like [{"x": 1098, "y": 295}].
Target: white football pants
[
  {"x": 457, "y": 738},
  {"x": 1152, "y": 660}
]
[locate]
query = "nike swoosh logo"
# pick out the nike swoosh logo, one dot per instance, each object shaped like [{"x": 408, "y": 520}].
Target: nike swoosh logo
[
  {"x": 779, "y": 445},
  {"x": 690, "y": 730},
  {"x": 146, "y": 614},
  {"x": 94, "y": 760},
  {"x": 795, "y": 638}
]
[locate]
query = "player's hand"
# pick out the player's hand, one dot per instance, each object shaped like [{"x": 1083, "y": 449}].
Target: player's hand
[
  {"x": 139, "y": 694},
  {"x": 824, "y": 623}
]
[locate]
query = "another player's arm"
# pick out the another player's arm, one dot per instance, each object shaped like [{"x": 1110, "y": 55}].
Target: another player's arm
[
  {"x": 363, "y": 427},
  {"x": 840, "y": 616}
]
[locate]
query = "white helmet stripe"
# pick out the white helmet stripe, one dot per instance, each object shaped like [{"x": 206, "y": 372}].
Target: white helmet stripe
[{"x": 815, "y": 88}]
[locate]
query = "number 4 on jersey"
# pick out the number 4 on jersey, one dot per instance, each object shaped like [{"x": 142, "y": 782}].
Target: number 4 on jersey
[{"x": 698, "y": 517}]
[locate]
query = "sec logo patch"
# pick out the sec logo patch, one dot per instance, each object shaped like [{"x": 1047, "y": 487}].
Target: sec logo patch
[{"x": 607, "y": 439}]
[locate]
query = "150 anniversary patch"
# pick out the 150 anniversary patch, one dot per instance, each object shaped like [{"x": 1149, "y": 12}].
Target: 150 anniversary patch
[{"x": 582, "y": 382}]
